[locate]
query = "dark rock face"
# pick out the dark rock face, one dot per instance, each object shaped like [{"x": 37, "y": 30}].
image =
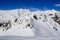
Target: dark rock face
[
  {"x": 6, "y": 25},
  {"x": 35, "y": 17},
  {"x": 58, "y": 22},
  {"x": 1, "y": 24},
  {"x": 16, "y": 20},
  {"x": 55, "y": 28},
  {"x": 28, "y": 25},
  {"x": 56, "y": 19},
  {"x": 50, "y": 14}
]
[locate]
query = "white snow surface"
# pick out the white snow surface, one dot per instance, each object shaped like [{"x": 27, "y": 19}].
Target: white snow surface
[{"x": 42, "y": 28}]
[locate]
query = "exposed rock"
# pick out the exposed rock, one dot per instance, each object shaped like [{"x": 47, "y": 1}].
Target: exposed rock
[
  {"x": 35, "y": 17},
  {"x": 50, "y": 14},
  {"x": 55, "y": 28},
  {"x": 6, "y": 25},
  {"x": 1, "y": 24},
  {"x": 16, "y": 20},
  {"x": 28, "y": 25}
]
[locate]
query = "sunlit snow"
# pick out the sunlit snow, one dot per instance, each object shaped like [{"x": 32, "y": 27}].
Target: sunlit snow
[{"x": 37, "y": 24}]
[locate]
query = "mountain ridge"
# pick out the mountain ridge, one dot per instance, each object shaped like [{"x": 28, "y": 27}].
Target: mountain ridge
[{"x": 31, "y": 23}]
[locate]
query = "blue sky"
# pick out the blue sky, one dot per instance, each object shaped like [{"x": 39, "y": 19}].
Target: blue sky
[{"x": 30, "y": 4}]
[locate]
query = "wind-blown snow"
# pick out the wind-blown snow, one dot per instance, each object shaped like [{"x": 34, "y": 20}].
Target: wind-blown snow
[{"x": 42, "y": 26}]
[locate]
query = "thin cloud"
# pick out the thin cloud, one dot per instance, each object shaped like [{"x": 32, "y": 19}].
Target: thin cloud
[
  {"x": 57, "y": 5},
  {"x": 45, "y": 8},
  {"x": 33, "y": 9}
]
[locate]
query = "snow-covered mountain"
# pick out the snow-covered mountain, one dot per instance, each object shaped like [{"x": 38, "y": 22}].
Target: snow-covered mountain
[{"x": 23, "y": 22}]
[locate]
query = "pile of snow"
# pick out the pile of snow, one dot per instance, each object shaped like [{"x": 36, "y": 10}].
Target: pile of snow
[{"x": 30, "y": 23}]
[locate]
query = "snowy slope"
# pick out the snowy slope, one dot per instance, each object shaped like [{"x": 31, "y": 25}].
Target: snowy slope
[{"x": 37, "y": 24}]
